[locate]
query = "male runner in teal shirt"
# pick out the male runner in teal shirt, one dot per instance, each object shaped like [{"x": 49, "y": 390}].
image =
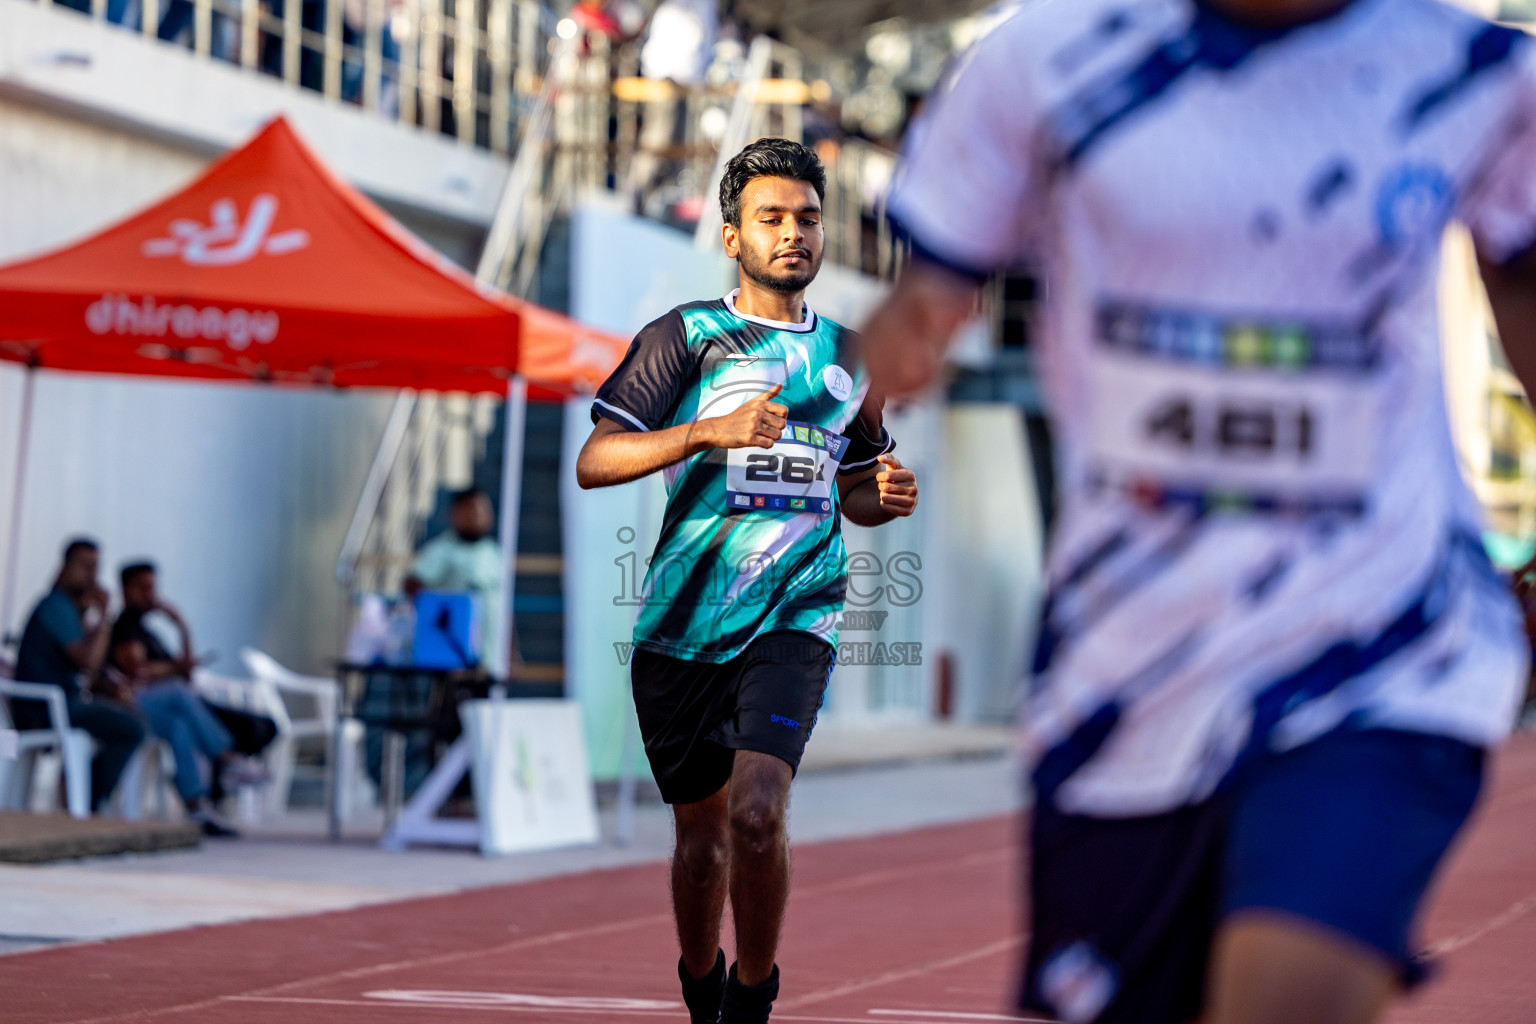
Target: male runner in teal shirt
[{"x": 758, "y": 412}]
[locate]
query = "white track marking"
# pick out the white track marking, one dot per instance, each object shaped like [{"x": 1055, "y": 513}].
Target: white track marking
[
  {"x": 947, "y": 1015},
  {"x": 374, "y": 1004},
  {"x": 860, "y": 881},
  {"x": 904, "y": 973},
  {"x": 1514, "y": 912}
]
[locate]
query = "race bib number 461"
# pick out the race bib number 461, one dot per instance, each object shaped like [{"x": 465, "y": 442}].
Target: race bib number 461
[
  {"x": 795, "y": 475},
  {"x": 1259, "y": 417}
]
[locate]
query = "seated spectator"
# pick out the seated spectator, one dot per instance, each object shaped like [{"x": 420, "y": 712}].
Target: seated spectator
[
  {"x": 177, "y": 717},
  {"x": 64, "y": 644},
  {"x": 466, "y": 557},
  {"x": 162, "y": 673}
]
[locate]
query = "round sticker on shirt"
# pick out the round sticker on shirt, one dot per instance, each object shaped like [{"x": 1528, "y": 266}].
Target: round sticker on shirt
[{"x": 838, "y": 382}]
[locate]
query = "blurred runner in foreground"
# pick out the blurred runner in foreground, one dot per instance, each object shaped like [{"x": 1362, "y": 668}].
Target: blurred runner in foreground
[{"x": 1273, "y": 652}]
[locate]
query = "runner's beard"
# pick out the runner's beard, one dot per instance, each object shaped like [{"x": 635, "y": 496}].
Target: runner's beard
[{"x": 783, "y": 280}]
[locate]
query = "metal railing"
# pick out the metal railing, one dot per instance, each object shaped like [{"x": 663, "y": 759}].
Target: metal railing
[
  {"x": 859, "y": 233},
  {"x": 489, "y": 72},
  {"x": 532, "y": 194},
  {"x": 464, "y": 68},
  {"x": 430, "y": 442}
]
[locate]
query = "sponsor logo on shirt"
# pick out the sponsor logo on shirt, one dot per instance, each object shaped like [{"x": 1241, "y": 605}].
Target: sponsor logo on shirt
[{"x": 838, "y": 381}]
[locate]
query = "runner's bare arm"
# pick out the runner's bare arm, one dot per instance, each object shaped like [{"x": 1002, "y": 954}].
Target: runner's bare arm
[
  {"x": 904, "y": 341},
  {"x": 1512, "y": 294},
  {"x": 614, "y": 455},
  {"x": 875, "y": 496}
]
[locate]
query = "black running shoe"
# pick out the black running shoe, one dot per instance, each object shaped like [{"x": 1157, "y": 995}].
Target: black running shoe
[
  {"x": 703, "y": 995},
  {"x": 748, "y": 1004},
  {"x": 211, "y": 825}
]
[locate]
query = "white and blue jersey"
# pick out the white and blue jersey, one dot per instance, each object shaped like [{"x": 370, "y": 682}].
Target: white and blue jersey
[{"x": 1263, "y": 535}]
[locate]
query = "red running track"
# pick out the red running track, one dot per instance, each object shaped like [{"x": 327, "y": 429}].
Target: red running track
[{"x": 916, "y": 928}]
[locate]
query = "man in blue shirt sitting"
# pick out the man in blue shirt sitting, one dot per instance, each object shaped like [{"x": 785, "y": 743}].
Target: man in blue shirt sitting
[{"x": 64, "y": 643}]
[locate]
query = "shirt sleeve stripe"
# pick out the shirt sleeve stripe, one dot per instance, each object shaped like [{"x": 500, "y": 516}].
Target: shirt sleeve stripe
[
  {"x": 923, "y": 253},
  {"x": 620, "y": 412},
  {"x": 848, "y": 467}
]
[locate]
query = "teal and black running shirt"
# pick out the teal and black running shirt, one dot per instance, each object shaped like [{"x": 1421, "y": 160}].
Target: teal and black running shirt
[{"x": 750, "y": 541}]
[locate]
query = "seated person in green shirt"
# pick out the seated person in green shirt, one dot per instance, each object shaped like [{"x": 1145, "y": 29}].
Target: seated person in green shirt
[{"x": 466, "y": 557}]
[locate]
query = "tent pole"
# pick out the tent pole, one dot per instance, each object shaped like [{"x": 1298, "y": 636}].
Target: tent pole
[
  {"x": 13, "y": 544},
  {"x": 511, "y": 506}
]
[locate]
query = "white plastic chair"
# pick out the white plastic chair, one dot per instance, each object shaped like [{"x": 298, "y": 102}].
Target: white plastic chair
[
  {"x": 304, "y": 708},
  {"x": 10, "y": 739},
  {"x": 43, "y": 753},
  {"x": 72, "y": 747},
  {"x": 257, "y": 698},
  {"x": 146, "y": 782}
]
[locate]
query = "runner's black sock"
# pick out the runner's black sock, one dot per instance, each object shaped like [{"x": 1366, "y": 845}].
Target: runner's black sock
[
  {"x": 749, "y": 1004},
  {"x": 702, "y": 995}
]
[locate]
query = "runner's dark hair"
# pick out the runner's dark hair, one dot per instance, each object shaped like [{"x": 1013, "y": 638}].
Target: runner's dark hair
[{"x": 768, "y": 158}]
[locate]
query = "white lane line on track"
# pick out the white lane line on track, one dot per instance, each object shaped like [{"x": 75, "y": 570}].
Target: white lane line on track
[
  {"x": 856, "y": 881},
  {"x": 372, "y": 1004},
  {"x": 904, "y": 973},
  {"x": 1512, "y": 913},
  {"x": 954, "y": 1015}
]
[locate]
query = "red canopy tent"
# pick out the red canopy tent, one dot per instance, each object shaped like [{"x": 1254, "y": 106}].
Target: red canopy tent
[{"x": 270, "y": 268}]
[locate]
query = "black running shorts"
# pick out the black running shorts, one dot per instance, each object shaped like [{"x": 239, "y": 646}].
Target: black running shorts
[{"x": 695, "y": 715}]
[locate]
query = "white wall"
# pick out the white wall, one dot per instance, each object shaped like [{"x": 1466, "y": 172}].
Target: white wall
[
  {"x": 64, "y": 179},
  {"x": 241, "y": 494},
  {"x": 988, "y": 554}
]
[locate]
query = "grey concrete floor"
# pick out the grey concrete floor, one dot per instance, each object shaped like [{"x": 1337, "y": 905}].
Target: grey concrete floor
[{"x": 288, "y": 867}]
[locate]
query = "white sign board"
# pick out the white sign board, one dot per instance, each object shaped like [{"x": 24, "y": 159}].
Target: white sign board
[{"x": 533, "y": 790}]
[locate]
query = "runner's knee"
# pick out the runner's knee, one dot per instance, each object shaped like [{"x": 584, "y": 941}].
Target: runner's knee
[
  {"x": 702, "y": 857},
  {"x": 757, "y": 825}
]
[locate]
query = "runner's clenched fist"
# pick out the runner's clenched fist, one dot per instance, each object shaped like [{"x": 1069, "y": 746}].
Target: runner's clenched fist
[
  {"x": 759, "y": 423},
  {"x": 898, "y": 487}
]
